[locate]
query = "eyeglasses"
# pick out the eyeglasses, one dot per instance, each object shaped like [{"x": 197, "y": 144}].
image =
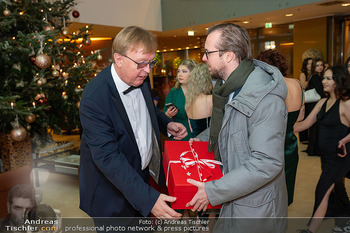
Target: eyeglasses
[
  {"x": 209, "y": 52},
  {"x": 141, "y": 65}
]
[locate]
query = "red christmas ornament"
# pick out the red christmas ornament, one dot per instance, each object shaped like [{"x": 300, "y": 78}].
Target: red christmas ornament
[
  {"x": 75, "y": 14},
  {"x": 32, "y": 59}
]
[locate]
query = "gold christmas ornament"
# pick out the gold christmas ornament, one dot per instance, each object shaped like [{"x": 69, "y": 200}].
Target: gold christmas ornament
[
  {"x": 48, "y": 27},
  {"x": 42, "y": 61},
  {"x": 7, "y": 12},
  {"x": 29, "y": 127},
  {"x": 87, "y": 41},
  {"x": 41, "y": 81},
  {"x": 65, "y": 97},
  {"x": 65, "y": 31},
  {"x": 99, "y": 57},
  {"x": 18, "y": 133},
  {"x": 55, "y": 73},
  {"x": 30, "y": 118}
]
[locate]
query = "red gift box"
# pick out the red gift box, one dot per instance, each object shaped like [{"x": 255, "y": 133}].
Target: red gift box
[{"x": 183, "y": 161}]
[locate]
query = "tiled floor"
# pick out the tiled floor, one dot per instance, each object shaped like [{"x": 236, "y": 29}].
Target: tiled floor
[{"x": 62, "y": 191}]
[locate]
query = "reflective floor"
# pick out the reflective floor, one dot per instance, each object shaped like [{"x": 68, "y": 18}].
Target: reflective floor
[{"x": 61, "y": 191}]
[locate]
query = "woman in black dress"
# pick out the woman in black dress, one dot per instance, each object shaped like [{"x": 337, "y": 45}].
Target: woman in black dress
[{"x": 333, "y": 117}]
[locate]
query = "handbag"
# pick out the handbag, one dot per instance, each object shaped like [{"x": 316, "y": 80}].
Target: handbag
[{"x": 311, "y": 96}]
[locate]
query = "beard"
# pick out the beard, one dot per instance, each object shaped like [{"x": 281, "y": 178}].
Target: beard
[{"x": 217, "y": 73}]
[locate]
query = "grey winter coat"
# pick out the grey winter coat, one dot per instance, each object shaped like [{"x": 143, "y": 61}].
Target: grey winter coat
[{"x": 251, "y": 144}]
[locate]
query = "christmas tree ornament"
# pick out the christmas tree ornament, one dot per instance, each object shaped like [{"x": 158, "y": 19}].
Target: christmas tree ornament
[
  {"x": 30, "y": 118},
  {"x": 65, "y": 31},
  {"x": 28, "y": 127},
  {"x": 48, "y": 27},
  {"x": 87, "y": 41},
  {"x": 7, "y": 12},
  {"x": 41, "y": 81},
  {"x": 55, "y": 73},
  {"x": 99, "y": 57},
  {"x": 42, "y": 61},
  {"x": 32, "y": 59},
  {"x": 65, "y": 97},
  {"x": 75, "y": 14},
  {"x": 18, "y": 133}
]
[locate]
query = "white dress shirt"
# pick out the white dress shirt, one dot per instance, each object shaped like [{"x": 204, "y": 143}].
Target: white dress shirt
[{"x": 140, "y": 120}]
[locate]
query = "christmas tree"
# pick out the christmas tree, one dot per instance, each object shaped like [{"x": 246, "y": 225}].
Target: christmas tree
[{"x": 43, "y": 67}]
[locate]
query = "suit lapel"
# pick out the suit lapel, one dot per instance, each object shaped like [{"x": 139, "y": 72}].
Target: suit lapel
[{"x": 120, "y": 107}]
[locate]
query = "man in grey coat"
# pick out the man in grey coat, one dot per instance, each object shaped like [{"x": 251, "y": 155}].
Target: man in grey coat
[{"x": 247, "y": 134}]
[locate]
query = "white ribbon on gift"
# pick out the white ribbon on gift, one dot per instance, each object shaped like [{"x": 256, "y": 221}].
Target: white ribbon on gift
[{"x": 188, "y": 162}]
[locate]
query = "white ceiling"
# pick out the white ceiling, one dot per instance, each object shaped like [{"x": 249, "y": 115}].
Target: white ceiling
[{"x": 309, "y": 11}]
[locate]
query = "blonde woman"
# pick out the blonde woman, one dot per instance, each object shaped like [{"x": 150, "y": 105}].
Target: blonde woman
[
  {"x": 175, "y": 101},
  {"x": 199, "y": 101}
]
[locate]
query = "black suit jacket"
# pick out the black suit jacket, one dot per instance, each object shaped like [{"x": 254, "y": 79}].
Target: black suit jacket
[{"x": 112, "y": 183}]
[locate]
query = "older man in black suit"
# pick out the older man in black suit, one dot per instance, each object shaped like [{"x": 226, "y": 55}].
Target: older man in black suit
[{"x": 120, "y": 145}]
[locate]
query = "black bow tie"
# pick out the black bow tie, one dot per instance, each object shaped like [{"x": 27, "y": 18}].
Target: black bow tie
[{"x": 129, "y": 89}]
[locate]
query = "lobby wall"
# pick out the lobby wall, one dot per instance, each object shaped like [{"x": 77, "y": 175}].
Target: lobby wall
[{"x": 308, "y": 34}]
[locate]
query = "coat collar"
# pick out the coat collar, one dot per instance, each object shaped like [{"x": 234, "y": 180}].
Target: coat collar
[{"x": 263, "y": 80}]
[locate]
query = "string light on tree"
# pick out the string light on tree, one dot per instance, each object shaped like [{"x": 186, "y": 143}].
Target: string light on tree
[{"x": 64, "y": 95}]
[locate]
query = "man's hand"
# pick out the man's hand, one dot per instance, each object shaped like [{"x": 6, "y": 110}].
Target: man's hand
[
  {"x": 200, "y": 201},
  {"x": 162, "y": 210},
  {"x": 178, "y": 130}
]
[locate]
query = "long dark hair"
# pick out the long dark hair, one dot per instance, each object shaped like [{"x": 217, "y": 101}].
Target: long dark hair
[
  {"x": 304, "y": 68},
  {"x": 340, "y": 75}
]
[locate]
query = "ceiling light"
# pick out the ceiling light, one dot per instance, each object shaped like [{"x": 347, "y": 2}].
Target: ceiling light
[
  {"x": 345, "y": 4},
  {"x": 245, "y": 22},
  {"x": 289, "y": 15},
  {"x": 190, "y": 33}
]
